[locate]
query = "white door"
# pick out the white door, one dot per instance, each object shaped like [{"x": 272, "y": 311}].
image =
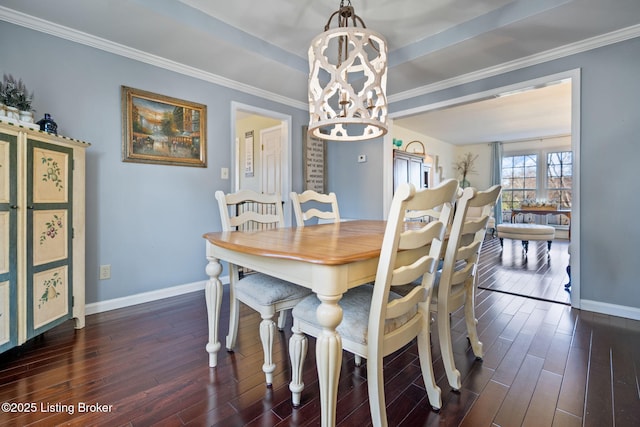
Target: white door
[{"x": 271, "y": 159}]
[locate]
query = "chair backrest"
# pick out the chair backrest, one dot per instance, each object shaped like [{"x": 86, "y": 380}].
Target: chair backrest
[
  {"x": 430, "y": 214},
  {"x": 410, "y": 251},
  {"x": 316, "y": 201},
  {"x": 423, "y": 215},
  {"x": 248, "y": 210},
  {"x": 465, "y": 241}
]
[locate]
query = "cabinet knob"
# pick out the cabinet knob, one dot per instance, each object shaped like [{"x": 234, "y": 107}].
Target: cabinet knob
[
  {"x": 29, "y": 207},
  {"x": 13, "y": 207}
]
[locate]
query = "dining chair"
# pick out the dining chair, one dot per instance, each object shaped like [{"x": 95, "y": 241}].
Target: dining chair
[
  {"x": 377, "y": 321},
  {"x": 324, "y": 207},
  {"x": 247, "y": 210},
  {"x": 454, "y": 287}
]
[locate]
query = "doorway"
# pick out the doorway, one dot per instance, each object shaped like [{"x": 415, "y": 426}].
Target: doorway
[
  {"x": 574, "y": 77},
  {"x": 251, "y": 127}
]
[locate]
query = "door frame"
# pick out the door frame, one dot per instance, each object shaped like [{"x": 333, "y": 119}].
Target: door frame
[
  {"x": 285, "y": 159},
  {"x": 575, "y": 76}
]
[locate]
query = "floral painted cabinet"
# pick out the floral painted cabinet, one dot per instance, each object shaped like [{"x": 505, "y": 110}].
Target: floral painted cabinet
[
  {"x": 8, "y": 242},
  {"x": 43, "y": 225},
  {"x": 49, "y": 235}
]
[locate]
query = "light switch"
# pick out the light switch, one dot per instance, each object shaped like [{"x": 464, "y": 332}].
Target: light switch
[{"x": 224, "y": 173}]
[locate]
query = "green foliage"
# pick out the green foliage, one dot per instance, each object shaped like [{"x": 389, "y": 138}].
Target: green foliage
[{"x": 14, "y": 93}]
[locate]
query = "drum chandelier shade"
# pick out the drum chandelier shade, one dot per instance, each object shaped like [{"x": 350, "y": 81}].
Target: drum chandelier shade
[{"x": 347, "y": 80}]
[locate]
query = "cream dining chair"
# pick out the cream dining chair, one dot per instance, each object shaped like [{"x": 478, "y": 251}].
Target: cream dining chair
[
  {"x": 377, "y": 321},
  {"x": 455, "y": 285},
  {"x": 324, "y": 207},
  {"x": 247, "y": 210}
]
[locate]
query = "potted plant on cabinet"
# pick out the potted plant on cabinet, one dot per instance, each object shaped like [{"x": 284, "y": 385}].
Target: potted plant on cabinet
[
  {"x": 17, "y": 99},
  {"x": 3, "y": 100}
]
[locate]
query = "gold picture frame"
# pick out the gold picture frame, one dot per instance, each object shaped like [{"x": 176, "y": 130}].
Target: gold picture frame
[{"x": 163, "y": 130}]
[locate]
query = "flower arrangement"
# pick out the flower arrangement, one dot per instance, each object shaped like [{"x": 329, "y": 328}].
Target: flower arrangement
[
  {"x": 539, "y": 203},
  {"x": 465, "y": 167},
  {"x": 14, "y": 93}
]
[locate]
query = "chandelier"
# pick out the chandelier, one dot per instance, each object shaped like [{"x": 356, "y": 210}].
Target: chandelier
[{"x": 347, "y": 80}]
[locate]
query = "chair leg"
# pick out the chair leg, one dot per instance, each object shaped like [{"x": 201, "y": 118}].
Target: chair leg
[
  {"x": 424, "y": 352},
  {"x": 446, "y": 348},
  {"x": 282, "y": 320},
  {"x": 568, "y": 285},
  {"x": 525, "y": 246},
  {"x": 471, "y": 322},
  {"x": 267, "y": 331},
  {"x": 549, "y": 245},
  {"x": 375, "y": 385},
  {"x": 234, "y": 319},
  {"x": 357, "y": 359},
  {"x": 297, "y": 353}
]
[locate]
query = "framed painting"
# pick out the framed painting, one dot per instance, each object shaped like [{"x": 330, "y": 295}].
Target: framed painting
[{"x": 163, "y": 130}]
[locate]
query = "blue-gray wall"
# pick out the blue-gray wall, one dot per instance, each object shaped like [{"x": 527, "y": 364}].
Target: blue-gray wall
[
  {"x": 145, "y": 220},
  {"x": 358, "y": 186},
  {"x": 609, "y": 164}
]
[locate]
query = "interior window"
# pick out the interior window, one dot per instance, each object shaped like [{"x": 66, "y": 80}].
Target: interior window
[
  {"x": 519, "y": 180},
  {"x": 524, "y": 177},
  {"x": 560, "y": 177}
]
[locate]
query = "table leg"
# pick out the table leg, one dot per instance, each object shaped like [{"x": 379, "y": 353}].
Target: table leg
[
  {"x": 213, "y": 298},
  {"x": 328, "y": 356}
]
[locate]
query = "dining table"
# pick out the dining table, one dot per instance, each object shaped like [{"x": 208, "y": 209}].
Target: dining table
[{"x": 329, "y": 259}]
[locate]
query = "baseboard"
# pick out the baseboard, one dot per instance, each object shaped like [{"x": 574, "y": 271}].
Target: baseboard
[
  {"x": 611, "y": 309},
  {"x": 113, "y": 304}
]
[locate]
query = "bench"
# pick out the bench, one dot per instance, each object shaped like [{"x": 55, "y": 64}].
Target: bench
[{"x": 526, "y": 232}]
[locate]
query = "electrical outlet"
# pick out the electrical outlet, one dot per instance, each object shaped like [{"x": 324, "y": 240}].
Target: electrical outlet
[{"x": 105, "y": 272}]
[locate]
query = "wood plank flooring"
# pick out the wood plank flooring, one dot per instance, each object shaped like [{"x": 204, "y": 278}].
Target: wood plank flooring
[
  {"x": 545, "y": 364},
  {"x": 539, "y": 273}
]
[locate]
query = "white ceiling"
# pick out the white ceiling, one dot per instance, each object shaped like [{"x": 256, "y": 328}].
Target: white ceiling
[
  {"x": 261, "y": 46},
  {"x": 533, "y": 113}
]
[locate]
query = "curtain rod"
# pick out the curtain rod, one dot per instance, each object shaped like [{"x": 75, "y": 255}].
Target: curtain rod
[{"x": 531, "y": 139}]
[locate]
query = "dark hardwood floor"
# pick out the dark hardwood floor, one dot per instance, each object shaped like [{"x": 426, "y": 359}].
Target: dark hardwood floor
[
  {"x": 545, "y": 364},
  {"x": 538, "y": 273}
]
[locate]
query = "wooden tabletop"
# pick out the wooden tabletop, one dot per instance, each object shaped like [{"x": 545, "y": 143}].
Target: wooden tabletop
[{"x": 329, "y": 244}]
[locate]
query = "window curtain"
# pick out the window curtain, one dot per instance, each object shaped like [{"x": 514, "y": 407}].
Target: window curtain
[{"x": 496, "y": 176}]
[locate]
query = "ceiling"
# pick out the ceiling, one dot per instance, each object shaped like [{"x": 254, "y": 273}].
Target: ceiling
[{"x": 261, "y": 46}]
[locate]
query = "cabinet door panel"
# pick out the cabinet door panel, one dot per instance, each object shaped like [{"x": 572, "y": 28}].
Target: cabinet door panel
[
  {"x": 8, "y": 242},
  {"x": 50, "y": 300},
  {"x": 7, "y": 318},
  {"x": 50, "y": 236},
  {"x": 49, "y": 247}
]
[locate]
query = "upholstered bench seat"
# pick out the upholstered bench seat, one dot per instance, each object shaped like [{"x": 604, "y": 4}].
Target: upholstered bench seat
[{"x": 526, "y": 232}]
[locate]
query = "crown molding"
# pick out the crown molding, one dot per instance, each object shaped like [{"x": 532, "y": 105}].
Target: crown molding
[
  {"x": 37, "y": 24},
  {"x": 60, "y": 31},
  {"x": 539, "y": 58}
]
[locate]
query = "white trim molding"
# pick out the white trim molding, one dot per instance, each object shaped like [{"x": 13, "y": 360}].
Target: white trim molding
[
  {"x": 66, "y": 33},
  {"x": 535, "y": 59},
  {"x": 113, "y": 304},
  {"x": 37, "y": 24},
  {"x": 610, "y": 309}
]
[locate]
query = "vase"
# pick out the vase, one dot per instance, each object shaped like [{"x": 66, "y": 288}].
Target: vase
[
  {"x": 47, "y": 124},
  {"x": 26, "y": 116},
  {"x": 13, "y": 113}
]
